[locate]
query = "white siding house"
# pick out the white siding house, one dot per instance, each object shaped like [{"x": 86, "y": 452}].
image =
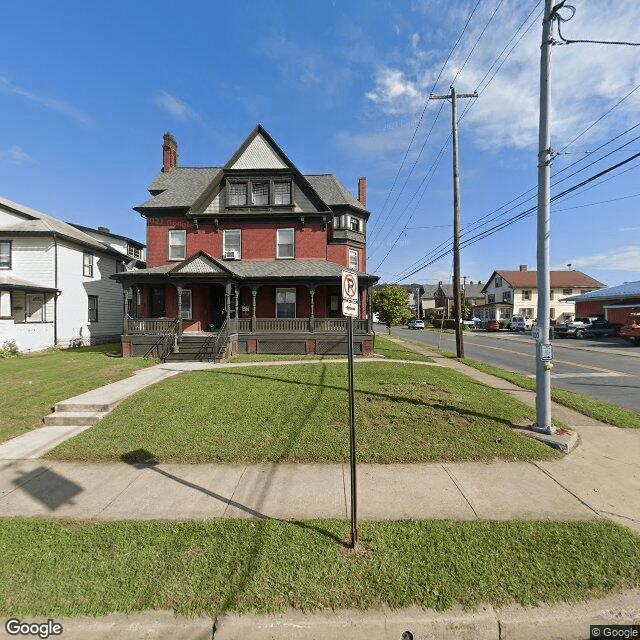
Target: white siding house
[{"x": 55, "y": 282}]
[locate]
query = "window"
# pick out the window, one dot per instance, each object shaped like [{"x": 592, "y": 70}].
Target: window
[
  {"x": 133, "y": 251},
  {"x": 177, "y": 244},
  {"x": 5, "y": 254},
  {"x": 87, "y": 262},
  {"x": 354, "y": 224},
  {"x": 567, "y": 292},
  {"x": 237, "y": 194},
  {"x": 120, "y": 266},
  {"x": 260, "y": 193},
  {"x": 550, "y": 294},
  {"x": 232, "y": 244},
  {"x": 498, "y": 282},
  {"x": 285, "y": 243},
  {"x": 35, "y": 311},
  {"x": 5, "y": 304},
  {"x": 185, "y": 309},
  {"x": 526, "y": 294},
  {"x": 282, "y": 193},
  {"x": 93, "y": 308},
  {"x": 506, "y": 296},
  {"x": 285, "y": 303},
  {"x": 491, "y": 298},
  {"x": 354, "y": 262},
  {"x": 527, "y": 312}
]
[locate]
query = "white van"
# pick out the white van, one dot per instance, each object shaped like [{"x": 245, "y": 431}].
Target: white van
[{"x": 520, "y": 323}]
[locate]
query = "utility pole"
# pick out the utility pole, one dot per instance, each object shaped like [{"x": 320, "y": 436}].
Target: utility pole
[
  {"x": 453, "y": 96},
  {"x": 544, "y": 353}
]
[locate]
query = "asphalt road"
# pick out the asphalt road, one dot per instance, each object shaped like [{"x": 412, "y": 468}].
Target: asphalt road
[{"x": 607, "y": 369}]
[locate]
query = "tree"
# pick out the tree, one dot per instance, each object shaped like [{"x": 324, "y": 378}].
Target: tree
[{"x": 391, "y": 303}]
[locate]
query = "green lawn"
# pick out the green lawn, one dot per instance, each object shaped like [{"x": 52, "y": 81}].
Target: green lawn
[
  {"x": 390, "y": 349},
  {"x": 52, "y": 569},
  {"x": 299, "y": 413},
  {"x": 32, "y": 384}
]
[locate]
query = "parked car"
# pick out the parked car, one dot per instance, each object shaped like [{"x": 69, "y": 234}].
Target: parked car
[
  {"x": 492, "y": 325},
  {"x": 416, "y": 324},
  {"x": 631, "y": 330},
  {"x": 520, "y": 323},
  {"x": 600, "y": 328},
  {"x": 574, "y": 327}
]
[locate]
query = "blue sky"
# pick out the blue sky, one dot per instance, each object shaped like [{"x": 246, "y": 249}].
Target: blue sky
[{"x": 87, "y": 90}]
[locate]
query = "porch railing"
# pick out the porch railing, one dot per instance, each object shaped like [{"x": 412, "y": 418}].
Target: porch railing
[
  {"x": 147, "y": 326},
  {"x": 165, "y": 341},
  {"x": 298, "y": 325}
]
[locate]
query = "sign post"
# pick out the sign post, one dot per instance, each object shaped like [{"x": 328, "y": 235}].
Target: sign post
[{"x": 350, "y": 310}]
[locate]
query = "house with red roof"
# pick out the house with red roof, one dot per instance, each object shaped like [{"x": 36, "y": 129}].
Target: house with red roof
[
  {"x": 247, "y": 257},
  {"x": 515, "y": 293}
]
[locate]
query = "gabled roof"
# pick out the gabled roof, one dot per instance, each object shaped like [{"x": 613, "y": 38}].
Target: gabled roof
[
  {"x": 104, "y": 232},
  {"x": 624, "y": 290},
  {"x": 36, "y": 223},
  {"x": 559, "y": 279},
  {"x": 200, "y": 263},
  {"x": 192, "y": 188}
]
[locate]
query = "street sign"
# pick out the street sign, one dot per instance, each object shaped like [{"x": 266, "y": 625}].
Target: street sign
[
  {"x": 349, "y": 285},
  {"x": 546, "y": 352},
  {"x": 536, "y": 333},
  {"x": 349, "y": 308}
]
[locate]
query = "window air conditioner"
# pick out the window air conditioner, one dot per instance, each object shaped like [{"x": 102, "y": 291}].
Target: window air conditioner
[{"x": 231, "y": 255}]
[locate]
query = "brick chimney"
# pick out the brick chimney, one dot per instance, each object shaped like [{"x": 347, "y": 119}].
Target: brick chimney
[
  {"x": 169, "y": 153},
  {"x": 362, "y": 191},
  {"x": 523, "y": 267},
  {"x": 104, "y": 230}
]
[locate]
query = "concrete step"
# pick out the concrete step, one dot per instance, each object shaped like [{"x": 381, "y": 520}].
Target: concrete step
[
  {"x": 90, "y": 407},
  {"x": 70, "y": 418}
]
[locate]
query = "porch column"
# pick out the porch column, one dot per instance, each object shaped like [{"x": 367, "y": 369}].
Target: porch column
[
  {"x": 369, "y": 311},
  {"x": 227, "y": 301},
  {"x": 254, "y": 294},
  {"x": 312, "y": 293},
  {"x": 179, "y": 294},
  {"x": 125, "y": 324},
  {"x": 237, "y": 296}
]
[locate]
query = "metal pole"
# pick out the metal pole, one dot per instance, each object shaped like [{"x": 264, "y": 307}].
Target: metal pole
[
  {"x": 352, "y": 436},
  {"x": 543, "y": 346}
]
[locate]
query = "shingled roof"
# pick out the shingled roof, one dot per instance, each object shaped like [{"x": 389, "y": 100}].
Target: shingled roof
[{"x": 559, "y": 280}]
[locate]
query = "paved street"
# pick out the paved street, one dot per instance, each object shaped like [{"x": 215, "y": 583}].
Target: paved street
[{"x": 607, "y": 369}]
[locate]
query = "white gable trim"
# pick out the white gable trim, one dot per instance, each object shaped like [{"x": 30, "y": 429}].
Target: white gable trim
[{"x": 259, "y": 155}]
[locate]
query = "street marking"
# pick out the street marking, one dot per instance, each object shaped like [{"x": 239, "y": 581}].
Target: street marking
[{"x": 599, "y": 374}]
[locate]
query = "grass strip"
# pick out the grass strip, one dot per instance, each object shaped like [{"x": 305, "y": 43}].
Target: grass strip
[
  {"x": 53, "y": 569},
  {"x": 33, "y": 383},
  {"x": 393, "y": 350},
  {"x": 299, "y": 413}
]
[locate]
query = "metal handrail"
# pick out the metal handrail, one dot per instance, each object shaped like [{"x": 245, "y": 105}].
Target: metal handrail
[
  {"x": 165, "y": 342},
  {"x": 221, "y": 338}
]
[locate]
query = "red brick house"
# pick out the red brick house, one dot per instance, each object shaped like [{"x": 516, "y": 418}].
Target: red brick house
[{"x": 247, "y": 258}]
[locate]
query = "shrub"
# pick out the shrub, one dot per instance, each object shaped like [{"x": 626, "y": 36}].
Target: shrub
[{"x": 9, "y": 349}]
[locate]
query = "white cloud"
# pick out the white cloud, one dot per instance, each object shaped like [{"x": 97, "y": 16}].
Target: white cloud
[
  {"x": 61, "y": 106},
  {"x": 14, "y": 155},
  {"x": 175, "y": 106},
  {"x": 622, "y": 259},
  {"x": 587, "y": 79}
]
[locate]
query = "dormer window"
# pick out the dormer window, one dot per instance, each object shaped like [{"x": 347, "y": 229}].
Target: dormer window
[
  {"x": 282, "y": 193},
  {"x": 237, "y": 194},
  {"x": 260, "y": 194},
  {"x": 354, "y": 224}
]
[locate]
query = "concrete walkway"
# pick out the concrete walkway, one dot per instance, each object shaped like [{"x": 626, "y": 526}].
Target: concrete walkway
[{"x": 600, "y": 479}]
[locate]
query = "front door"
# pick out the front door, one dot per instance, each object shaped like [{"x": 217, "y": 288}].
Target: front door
[
  {"x": 158, "y": 302},
  {"x": 218, "y": 311}
]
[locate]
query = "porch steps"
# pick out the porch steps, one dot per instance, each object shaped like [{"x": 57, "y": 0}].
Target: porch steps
[{"x": 197, "y": 348}]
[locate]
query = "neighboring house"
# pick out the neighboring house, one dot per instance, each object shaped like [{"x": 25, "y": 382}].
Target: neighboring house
[
  {"x": 439, "y": 297},
  {"x": 55, "y": 284},
  {"x": 247, "y": 257},
  {"x": 509, "y": 293},
  {"x": 613, "y": 303},
  {"x": 134, "y": 250}
]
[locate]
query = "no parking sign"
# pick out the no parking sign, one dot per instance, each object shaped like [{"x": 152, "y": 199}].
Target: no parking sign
[{"x": 349, "y": 293}]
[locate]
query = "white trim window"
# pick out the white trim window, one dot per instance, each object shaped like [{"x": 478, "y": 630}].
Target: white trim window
[
  {"x": 92, "y": 308},
  {"x": 5, "y": 304},
  {"x": 87, "y": 264},
  {"x": 285, "y": 243},
  {"x": 5, "y": 254},
  {"x": 186, "y": 307},
  {"x": 285, "y": 303},
  {"x": 354, "y": 259},
  {"x": 526, "y": 294},
  {"x": 177, "y": 244},
  {"x": 232, "y": 244}
]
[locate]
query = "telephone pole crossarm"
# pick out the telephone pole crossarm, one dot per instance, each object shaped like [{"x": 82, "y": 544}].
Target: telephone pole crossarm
[{"x": 453, "y": 96}]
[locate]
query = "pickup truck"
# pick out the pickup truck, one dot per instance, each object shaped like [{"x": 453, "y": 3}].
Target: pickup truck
[{"x": 575, "y": 328}]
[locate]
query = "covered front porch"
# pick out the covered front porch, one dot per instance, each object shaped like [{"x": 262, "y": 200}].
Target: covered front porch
[{"x": 207, "y": 314}]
